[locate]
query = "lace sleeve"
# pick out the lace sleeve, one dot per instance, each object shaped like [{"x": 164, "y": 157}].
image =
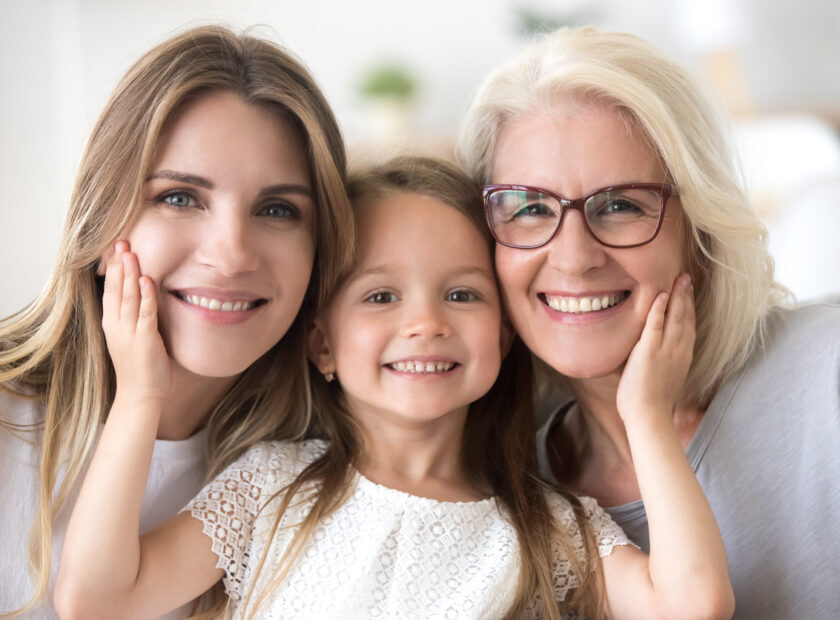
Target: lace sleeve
[
  {"x": 227, "y": 507},
  {"x": 608, "y": 534}
]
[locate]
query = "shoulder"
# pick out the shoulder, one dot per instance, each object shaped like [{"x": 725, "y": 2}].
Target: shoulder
[
  {"x": 796, "y": 342},
  {"x": 20, "y": 409},
  {"x": 270, "y": 465},
  {"x": 813, "y": 325}
]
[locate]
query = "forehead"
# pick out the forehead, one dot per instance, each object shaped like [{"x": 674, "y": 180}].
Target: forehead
[
  {"x": 573, "y": 147},
  {"x": 221, "y": 123},
  {"x": 416, "y": 231}
]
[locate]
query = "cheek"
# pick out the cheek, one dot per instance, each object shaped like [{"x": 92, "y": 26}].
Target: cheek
[
  {"x": 515, "y": 269},
  {"x": 156, "y": 246}
]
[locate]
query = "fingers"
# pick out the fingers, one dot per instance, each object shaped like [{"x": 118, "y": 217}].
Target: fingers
[
  {"x": 679, "y": 319},
  {"x": 147, "y": 316},
  {"x": 112, "y": 297},
  {"x": 131, "y": 288},
  {"x": 655, "y": 323}
]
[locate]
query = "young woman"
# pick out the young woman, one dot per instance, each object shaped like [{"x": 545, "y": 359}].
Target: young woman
[
  {"x": 421, "y": 498},
  {"x": 219, "y": 163},
  {"x": 564, "y": 132}
]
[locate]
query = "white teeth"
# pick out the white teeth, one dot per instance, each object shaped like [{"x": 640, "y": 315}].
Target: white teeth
[
  {"x": 422, "y": 367},
  {"x": 579, "y": 305},
  {"x": 216, "y": 304}
]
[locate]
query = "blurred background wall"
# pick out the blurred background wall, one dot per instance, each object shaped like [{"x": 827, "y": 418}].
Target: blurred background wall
[{"x": 400, "y": 74}]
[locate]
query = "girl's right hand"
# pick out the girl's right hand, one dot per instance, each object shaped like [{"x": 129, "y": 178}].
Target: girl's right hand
[{"x": 129, "y": 320}]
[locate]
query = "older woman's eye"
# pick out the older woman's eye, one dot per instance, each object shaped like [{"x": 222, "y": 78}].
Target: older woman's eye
[{"x": 533, "y": 209}]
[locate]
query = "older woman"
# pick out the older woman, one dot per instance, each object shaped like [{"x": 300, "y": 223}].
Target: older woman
[{"x": 607, "y": 174}]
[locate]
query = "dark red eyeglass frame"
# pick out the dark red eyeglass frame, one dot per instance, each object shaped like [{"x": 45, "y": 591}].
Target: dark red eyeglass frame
[{"x": 666, "y": 190}]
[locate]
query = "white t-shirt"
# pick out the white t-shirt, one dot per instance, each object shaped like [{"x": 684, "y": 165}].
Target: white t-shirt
[
  {"x": 382, "y": 554},
  {"x": 176, "y": 475}
]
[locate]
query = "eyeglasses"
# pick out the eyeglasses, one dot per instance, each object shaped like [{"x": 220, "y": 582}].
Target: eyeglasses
[{"x": 619, "y": 216}]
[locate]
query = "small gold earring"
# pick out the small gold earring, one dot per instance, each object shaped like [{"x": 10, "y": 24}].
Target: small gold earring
[{"x": 329, "y": 376}]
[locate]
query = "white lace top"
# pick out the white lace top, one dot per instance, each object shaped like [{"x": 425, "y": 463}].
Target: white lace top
[{"x": 382, "y": 554}]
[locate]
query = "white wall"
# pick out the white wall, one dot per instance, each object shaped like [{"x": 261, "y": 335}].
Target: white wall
[{"x": 59, "y": 59}]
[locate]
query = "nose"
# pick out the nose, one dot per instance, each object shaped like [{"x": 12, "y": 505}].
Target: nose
[
  {"x": 228, "y": 244},
  {"x": 574, "y": 250},
  {"x": 425, "y": 319}
]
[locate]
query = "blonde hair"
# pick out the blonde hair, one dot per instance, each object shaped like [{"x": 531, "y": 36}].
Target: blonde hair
[
  {"x": 726, "y": 241},
  {"x": 54, "y": 350},
  {"x": 498, "y": 450}
]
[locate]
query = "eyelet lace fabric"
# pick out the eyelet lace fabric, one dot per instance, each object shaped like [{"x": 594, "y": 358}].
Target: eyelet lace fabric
[{"x": 382, "y": 554}]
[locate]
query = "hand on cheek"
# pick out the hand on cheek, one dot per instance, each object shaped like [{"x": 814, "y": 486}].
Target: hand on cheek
[
  {"x": 129, "y": 320},
  {"x": 658, "y": 365}
]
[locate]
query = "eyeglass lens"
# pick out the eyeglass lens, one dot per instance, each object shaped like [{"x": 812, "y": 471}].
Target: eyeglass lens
[{"x": 621, "y": 217}]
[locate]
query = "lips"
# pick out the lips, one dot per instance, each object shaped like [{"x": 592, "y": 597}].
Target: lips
[{"x": 220, "y": 301}]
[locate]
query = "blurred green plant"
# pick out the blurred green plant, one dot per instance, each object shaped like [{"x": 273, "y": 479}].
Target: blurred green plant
[{"x": 388, "y": 81}]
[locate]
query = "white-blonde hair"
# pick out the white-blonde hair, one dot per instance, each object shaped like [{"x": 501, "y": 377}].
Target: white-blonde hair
[{"x": 732, "y": 268}]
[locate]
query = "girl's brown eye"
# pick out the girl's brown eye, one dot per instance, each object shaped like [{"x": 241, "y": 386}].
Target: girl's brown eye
[
  {"x": 461, "y": 296},
  {"x": 382, "y": 298}
]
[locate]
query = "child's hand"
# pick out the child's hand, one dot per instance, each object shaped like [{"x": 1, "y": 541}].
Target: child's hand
[
  {"x": 658, "y": 365},
  {"x": 129, "y": 319}
]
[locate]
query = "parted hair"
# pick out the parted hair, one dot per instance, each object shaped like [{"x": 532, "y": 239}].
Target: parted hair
[
  {"x": 54, "y": 350},
  {"x": 498, "y": 450},
  {"x": 727, "y": 243}
]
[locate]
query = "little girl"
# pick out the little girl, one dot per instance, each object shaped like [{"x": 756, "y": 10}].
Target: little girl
[{"x": 417, "y": 495}]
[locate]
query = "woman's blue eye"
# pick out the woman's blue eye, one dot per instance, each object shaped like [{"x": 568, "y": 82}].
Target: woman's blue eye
[
  {"x": 461, "y": 296},
  {"x": 381, "y": 298},
  {"x": 179, "y": 200},
  {"x": 281, "y": 211}
]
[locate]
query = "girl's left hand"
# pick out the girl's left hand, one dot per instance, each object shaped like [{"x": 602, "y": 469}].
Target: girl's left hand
[{"x": 658, "y": 365}]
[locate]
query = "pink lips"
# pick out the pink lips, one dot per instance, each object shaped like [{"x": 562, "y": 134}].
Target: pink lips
[{"x": 191, "y": 298}]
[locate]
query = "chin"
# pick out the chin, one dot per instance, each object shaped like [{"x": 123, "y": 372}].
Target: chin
[
  {"x": 587, "y": 367},
  {"x": 211, "y": 364}
]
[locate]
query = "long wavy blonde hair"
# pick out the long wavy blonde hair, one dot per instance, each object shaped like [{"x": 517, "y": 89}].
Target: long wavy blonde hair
[
  {"x": 54, "y": 349},
  {"x": 727, "y": 242},
  {"x": 498, "y": 450}
]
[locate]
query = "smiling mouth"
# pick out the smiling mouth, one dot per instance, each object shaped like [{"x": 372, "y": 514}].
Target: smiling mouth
[
  {"x": 211, "y": 303},
  {"x": 582, "y": 305},
  {"x": 421, "y": 367}
]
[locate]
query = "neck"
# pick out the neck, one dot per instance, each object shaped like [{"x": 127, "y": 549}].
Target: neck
[
  {"x": 422, "y": 458},
  {"x": 602, "y": 459},
  {"x": 598, "y": 426},
  {"x": 191, "y": 399}
]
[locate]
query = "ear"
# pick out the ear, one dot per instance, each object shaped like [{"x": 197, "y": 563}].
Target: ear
[
  {"x": 506, "y": 336},
  {"x": 320, "y": 353}
]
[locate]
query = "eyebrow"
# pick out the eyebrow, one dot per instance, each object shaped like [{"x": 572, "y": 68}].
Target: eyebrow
[
  {"x": 172, "y": 175},
  {"x": 193, "y": 179}
]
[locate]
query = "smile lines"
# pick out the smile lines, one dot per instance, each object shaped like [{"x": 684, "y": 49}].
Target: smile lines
[{"x": 579, "y": 305}]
